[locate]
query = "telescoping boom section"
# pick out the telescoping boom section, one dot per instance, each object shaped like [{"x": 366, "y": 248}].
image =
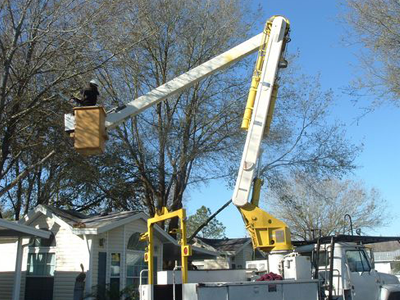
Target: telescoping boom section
[{"x": 267, "y": 233}]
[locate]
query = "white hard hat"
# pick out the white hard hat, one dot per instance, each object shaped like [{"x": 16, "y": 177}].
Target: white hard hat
[{"x": 94, "y": 81}]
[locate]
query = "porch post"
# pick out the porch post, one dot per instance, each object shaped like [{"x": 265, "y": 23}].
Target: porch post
[
  {"x": 88, "y": 282},
  {"x": 17, "y": 273}
]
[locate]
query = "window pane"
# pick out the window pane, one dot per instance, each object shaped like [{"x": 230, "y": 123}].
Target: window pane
[
  {"x": 115, "y": 271},
  {"x": 323, "y": 259},
  {"x": 51, "y": 258},
  {"x": 115, "y": 264},
  {"x": 51, "y": 264},
  {"x": 41, "y": 258},
  {"x": 134, "y": 242},
  {"x": 115, "y": 257},
  {"x": 30, "y": 264},
  {"x": 357, "y": 261},
  {"x": 134, "y": 282},
  {"x": 40, "y": 270},
  {"x": 41, "y": 264},
  {"x": 135, "y": 264},
  {"x": 365, "y": 262},
  {"x": 134, "y": 258},
  {"x": 129, "y": 271},
  {"x": 50, "y": 270}
]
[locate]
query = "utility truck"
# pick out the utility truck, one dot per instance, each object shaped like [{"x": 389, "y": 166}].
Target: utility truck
[
  {"x": 331, "y": 268},
  {"x": 335, "y": 267}
]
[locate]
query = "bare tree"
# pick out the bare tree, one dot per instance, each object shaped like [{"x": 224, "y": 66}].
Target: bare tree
[
  {"x": 304, "y": 136},
  {"x": 132, "y": 47},
  {"x": 306, "y": 204},
  {"x": 376, "y": 25},
  {"x": 46, "y": 50},
  {"x": 184, "y": 139},
  {"x": 194, "y": 137}
]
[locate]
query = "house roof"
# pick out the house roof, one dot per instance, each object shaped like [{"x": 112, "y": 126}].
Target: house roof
[
  {"x": 96, "y": 224},
  {"x": 84, "y": 224},
  {"x": 229, "y": 246},
  {"x": 386, "y": 251},
  {"x": 387, "y": 256},
  {"x": 349, "y": 238},
  {"x": 78, "y": 220},
  {"x": 13, "y": 229},
  {"x": 386, "y": 246}
]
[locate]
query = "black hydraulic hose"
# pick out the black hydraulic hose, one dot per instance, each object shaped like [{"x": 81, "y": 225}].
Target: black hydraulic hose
[
  {"x": 331, "y": 268},
  {"x": 316, "y": 262}
]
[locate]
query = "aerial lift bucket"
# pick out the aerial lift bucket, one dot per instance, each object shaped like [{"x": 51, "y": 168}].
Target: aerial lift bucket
[{"x": 90, "y": 132}]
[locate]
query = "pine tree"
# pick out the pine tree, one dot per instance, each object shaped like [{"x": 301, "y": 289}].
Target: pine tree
[{"x": 214, "y": 229}]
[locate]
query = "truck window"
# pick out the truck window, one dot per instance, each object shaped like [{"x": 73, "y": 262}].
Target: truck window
[
  {"x": 323, "y": 259},
  {"x": 357, "y": 261}
]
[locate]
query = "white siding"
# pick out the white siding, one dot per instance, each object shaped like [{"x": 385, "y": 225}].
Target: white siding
[
  {"x": 8, "y": 252},
  {"x": 71, "y": 250}
]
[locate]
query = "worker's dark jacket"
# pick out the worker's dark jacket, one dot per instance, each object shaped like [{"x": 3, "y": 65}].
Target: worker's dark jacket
[{"x": 89, "y": 96}]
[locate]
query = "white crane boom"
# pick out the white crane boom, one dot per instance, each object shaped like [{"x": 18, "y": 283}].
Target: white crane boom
[
  {"x": 184, "y": 81},
  {"x": 260, "y": 111}
]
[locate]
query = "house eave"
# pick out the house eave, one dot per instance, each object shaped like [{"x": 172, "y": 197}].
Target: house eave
[
  {"x": 85, "y": 231},
  {"x": 41, "y": 210},
  {"x": 16, "y": 229}
]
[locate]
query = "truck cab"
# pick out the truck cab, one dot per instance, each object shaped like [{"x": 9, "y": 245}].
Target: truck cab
[{"x": 348, "y": 271}]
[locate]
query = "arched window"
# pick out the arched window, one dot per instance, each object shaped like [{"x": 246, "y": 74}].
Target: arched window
[
  {"x": 135, "y": 243},
  {"x": 135, "y": 260}
]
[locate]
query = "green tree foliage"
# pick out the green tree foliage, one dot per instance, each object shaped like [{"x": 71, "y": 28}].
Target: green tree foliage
[{"x": 214, "y": 229}]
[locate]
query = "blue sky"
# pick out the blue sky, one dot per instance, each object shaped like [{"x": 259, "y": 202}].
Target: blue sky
[{"x": 318, "y": 33}]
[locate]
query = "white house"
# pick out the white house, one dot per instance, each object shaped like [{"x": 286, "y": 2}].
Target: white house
[
  {"x": 387, "y": 257},
  {"x": 107, "y": 246}
]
